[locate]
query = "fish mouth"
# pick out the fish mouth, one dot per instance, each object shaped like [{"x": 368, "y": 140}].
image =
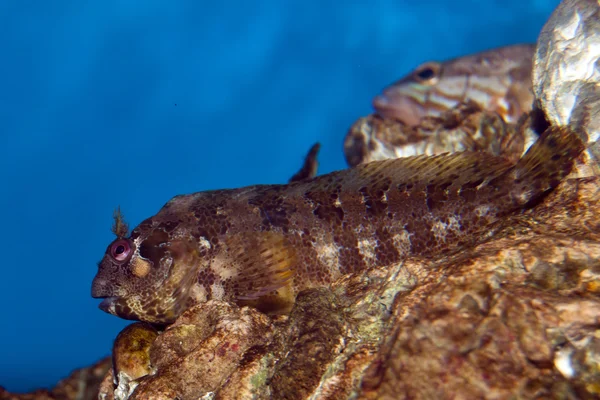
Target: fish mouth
[
  {"x": 402, "y": 108},
  {"x": 108, "y": 304}
]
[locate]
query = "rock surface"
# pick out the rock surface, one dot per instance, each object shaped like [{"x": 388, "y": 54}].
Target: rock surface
[{"x": 566, "y": 72}]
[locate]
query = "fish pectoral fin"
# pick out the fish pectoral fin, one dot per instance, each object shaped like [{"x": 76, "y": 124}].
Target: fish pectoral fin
[
  {"x": 276, "y": 303},
  {"x": 265, "y": 263},
  {"x": 176, "y": 290}
]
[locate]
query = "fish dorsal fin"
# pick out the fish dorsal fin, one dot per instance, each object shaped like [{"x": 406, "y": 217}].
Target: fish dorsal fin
[
  {"x": 457, "y": 168},
  {"x": 264, "y": 262},
  {"x": 310, "y": 165},
  {"x": 548, "y": 161}
]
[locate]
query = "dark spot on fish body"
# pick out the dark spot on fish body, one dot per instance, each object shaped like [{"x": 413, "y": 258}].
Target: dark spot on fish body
[
  {"x": 468, "y": 194},
  {"x": 351, "y": 260},
  {"x": 125, "y": 311},
  {"x": 151, "y": 248},
  {"x": 275, "y": 211},
  {"x": 199, "y": 214},
  {"x": 385, "y": 251},
  {"x": 433, "y": 196},
  {"x": 349, "y": 257},
  {"x": 445, "y": 186},
  {"x": 320, "y": 213},
  {"x": 144, "y": 226},
  {"x": 206, "y": 278},
  {"x": 198, "y": 232},
  {"x": 340, "y": 215},
  {"x": 168, "y": 225},
  {"x": 326, "y": 207},
  {"x": 375, "y": 206},
  {"x": 420, "y": 235}
]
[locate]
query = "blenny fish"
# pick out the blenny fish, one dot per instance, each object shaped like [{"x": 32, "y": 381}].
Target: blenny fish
[
  {"x": 497, "y": 80},
  {"x": 261, "y": 245}
]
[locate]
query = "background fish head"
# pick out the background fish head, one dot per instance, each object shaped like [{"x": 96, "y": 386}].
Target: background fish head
[
  {"x": 423, "y": 92},
  {"x": 497, "y": 80}
]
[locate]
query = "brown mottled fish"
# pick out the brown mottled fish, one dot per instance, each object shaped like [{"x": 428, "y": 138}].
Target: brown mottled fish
[
  {"x": 497, "y": 80},
  {"x": 261, "y": 245}
]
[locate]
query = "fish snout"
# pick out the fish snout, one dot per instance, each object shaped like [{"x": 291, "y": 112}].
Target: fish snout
[
  {"x": 101, "y": 288},
  {"x": 391, "y": 104}
]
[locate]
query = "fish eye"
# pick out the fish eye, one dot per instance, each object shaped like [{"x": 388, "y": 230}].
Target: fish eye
[
  {"x": 427, "y": 73},
  {"x": 120, "y": 250}
]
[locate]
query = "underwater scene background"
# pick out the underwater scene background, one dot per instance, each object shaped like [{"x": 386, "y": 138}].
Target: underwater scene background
[{"x": 126, "y": 103}]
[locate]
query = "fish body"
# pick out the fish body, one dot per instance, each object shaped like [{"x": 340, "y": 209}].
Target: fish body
[
  {"x": 497, "y": 80},
  {"x": 261, "y": 245}
]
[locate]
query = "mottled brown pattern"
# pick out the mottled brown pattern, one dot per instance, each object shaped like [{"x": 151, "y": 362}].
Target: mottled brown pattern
[{"x": 261, "y": 245}]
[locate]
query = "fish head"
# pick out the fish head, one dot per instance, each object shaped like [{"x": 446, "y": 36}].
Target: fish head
[
  {"x": 407, "y": 99},
  {"x": 498, "y": 80},
  {"x": 147, "y": 276},
  {"x": 428, "y": 91}
]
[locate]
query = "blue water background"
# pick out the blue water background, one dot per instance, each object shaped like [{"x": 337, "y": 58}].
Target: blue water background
[{"x": 129, "y": 103}]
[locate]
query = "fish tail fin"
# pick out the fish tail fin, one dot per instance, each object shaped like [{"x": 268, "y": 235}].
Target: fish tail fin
[{"x": 547, "y": 162}]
